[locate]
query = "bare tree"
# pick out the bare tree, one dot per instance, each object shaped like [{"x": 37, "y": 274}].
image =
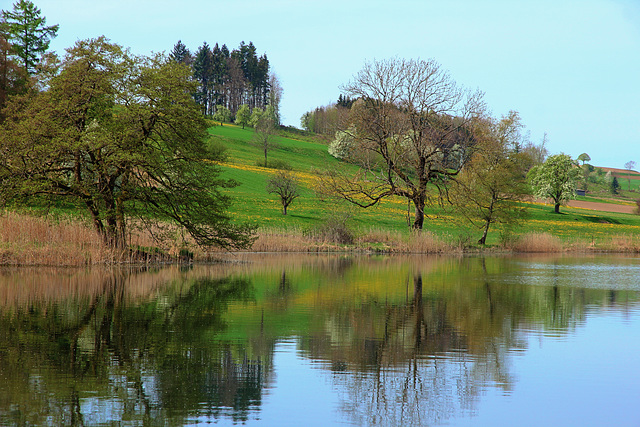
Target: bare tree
[
  {"x": 265, "y": 130},
  {"x": 630, "y": 165},
  {"x": 275, "y": 95},
  {"x": 414, "y": 119},
  {"x": 285, "y": 185}
]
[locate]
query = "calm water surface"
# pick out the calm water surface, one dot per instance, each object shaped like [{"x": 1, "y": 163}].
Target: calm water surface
[{"x": 325, "y": 340}]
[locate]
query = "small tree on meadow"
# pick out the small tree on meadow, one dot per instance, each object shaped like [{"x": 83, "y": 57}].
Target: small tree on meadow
[
  {"x": 285, "y": 185},
  {"x": 556, "y": 178},
  {"x": 255, "y": 117},
  {"x": 265, "y": 129},
  {"x": 615, "y": 186},
  {"x": 222, "y": 115},
  {"x": 243, "y": 115}
]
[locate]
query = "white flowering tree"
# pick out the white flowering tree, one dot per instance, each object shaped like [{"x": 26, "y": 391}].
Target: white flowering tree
[{"x": 556, "y": 179}]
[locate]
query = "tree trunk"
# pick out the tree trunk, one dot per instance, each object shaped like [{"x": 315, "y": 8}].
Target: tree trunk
[
  {"x": 557, "y": 207},
  {"x": 483, "y": 239},
  {"x": 418, "y": 220},
  {"x": 284, "y": 209}
]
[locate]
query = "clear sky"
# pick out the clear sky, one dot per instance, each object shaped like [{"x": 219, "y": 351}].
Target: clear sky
[{"x": 570, "y": 67}]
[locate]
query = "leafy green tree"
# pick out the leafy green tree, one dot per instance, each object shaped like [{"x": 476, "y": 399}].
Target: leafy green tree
[
  {"x": 255, "y": 117},
  {"x": 584, "y": 158},
  {"x": 490, "y": 185},
  {"x": 243, "y": 116},
  {"x": 285, "y": 185},
  {"x": 121, "y": 135},
  {"x": 556, "y": 178},
  {"x": 222, "y": 115},
  {"x": 25, "y": 28}
]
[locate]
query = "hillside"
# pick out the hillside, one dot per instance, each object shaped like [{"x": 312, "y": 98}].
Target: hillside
[{"x": 305, "y": 157}]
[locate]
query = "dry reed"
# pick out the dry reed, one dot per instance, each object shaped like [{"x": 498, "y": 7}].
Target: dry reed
[
  {"x": 47, "y": 241},
  {"x": 374, "y": 240},
  {"x": 622, "y": 243},
  {"x": 536, "y": 242},
  {"x": 395, "y": 242}
]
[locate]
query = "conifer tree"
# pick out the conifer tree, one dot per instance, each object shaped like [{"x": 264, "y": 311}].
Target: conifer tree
[
  {"x": 202, "y": 72},
  {"x": 27, "y": 33},
  {"x": 180, "y": 53}
]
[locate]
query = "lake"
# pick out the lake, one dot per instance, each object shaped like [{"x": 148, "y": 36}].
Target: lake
[{"x": 317, "y": 340}]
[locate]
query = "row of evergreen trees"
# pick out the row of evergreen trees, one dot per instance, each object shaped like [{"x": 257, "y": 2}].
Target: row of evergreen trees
[{"x": 227, "y": 78}]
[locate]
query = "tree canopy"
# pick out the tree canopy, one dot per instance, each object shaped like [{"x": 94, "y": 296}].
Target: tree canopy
[
  {"x": 556, "y": 178},
  {"x": 491, "y": 183},
  {"x": 121, "y": 135}
]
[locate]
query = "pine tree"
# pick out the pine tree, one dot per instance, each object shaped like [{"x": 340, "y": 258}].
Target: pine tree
[
  {"x": 180, "y": 53},
  {"x": 203, "y": 73},
  {"x": 25, "y": 29},
  {"x": 615, "y": 185}
]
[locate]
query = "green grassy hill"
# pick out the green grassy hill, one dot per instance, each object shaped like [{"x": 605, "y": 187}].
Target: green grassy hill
[{"x": 304, "y": 157}]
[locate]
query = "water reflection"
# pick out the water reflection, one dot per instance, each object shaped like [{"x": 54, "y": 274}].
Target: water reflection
[{"x": 403, "y": 341}]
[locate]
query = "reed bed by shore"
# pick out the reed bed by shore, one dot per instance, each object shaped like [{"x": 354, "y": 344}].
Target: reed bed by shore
[
  {"x": 46, "y": 241},
  {"x": 60, "y": 241}
]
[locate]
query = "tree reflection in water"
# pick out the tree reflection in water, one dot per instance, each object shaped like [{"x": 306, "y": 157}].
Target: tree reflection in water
[
  {"x": 417, "y": 369},
  {"x": 100, "y": 357},
  {"x": 404, "y": 341}
]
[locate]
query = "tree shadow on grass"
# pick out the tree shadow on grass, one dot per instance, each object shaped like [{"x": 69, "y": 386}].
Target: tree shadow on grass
[{"x": 599, "y": 219}]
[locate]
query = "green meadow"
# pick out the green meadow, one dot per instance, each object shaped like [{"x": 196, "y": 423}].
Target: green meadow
[{"x": 304, "y": 156}]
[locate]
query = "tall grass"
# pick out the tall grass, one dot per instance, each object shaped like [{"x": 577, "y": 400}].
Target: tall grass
[
  {"x": 422, "y": 242},
  {"x": 536, "y": 242},
  {"x": 373, "y": 240},
  {"x": 48, "y": 241}
]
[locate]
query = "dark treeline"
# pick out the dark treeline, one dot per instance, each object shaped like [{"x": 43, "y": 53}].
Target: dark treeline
[{"x": 227, "y": 78}]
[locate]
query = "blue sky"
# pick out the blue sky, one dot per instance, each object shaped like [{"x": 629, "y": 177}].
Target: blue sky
[{"x": 570, "y": 67}]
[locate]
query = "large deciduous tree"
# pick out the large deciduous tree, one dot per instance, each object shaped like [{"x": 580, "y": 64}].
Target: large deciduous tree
[
  {"x": 493, "y": 181},
  {"x": 413, "y": 118},
  {"x": 121, "y": 135},
  {"x": 556, "y": 179},
  {"x": 25, "y": 28}
]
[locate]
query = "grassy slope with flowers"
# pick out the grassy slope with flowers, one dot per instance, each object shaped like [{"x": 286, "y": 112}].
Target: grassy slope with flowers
[{"x": 253, "y": 204}]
